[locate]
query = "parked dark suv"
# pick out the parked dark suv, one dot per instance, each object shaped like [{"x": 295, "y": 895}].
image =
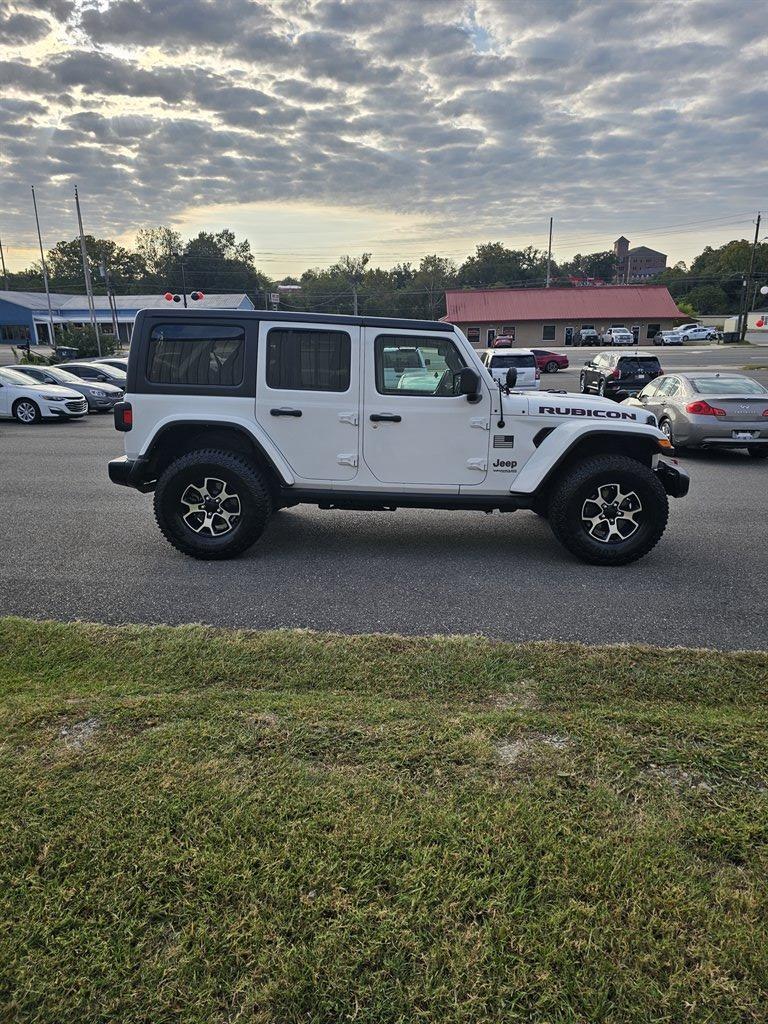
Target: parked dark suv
[{"x": 617, "y": 374}]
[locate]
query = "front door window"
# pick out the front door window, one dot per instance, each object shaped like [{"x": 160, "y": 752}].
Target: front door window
[{"x": 417, "y": 430}]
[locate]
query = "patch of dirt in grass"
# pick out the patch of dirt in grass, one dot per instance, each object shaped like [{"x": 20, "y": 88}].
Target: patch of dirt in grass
[
  {"x": 78, "y": 734},
  {"x": 520, "y": 749},
  {"x": 524, "y": 697},
  {"x": 680, "y": 778}
]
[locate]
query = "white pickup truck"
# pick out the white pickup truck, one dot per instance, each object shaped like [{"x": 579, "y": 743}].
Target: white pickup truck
[{"x": 231, "y": 415}]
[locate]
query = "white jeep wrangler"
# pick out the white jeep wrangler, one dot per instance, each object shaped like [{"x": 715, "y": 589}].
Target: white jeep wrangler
[{"x": 229, "y": 416}]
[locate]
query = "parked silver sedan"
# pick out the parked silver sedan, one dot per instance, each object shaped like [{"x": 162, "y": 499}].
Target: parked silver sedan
[{"x": 709, "y": 410}]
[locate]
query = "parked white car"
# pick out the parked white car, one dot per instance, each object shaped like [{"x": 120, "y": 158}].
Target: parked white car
[
  {"x": 696, "y": 332},
  {"x": 24, "y": 400},
  {"x": 668, "y": 338},
  {"x": 618, "y": 336},
  {"x": 498, "y": 361}
]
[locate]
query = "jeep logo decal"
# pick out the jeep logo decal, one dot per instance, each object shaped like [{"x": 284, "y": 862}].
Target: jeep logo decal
[
  {"x": 504, "y": 466},
  {"x": 597, "y": 414}
]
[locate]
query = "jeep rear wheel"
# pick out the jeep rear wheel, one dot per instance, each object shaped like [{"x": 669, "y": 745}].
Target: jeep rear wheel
[
  {"x": 212, "y": 504},
  {"x": 609, "y": 510}
]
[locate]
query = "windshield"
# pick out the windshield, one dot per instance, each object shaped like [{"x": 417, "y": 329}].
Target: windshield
[
  {"x": 517, "y": 361},
  {"x": 634, "y": 364},
  {"x": 727, "y": 386},
  {"x": 15, "y": 377},
  {"x": 62, "y": 376}
]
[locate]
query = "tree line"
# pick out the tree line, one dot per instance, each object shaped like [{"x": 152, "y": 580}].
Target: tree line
[{"x": 217, "y": 262}]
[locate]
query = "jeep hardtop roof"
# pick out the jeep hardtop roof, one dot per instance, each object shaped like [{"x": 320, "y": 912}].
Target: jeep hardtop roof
[{"x": 301, "y": 318}]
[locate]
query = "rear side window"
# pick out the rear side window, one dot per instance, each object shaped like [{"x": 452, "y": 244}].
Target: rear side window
[
  {"x": 520, "y": 362},
  {"x": 299, "y": 360},
  {"x": 199, "y": 355}
]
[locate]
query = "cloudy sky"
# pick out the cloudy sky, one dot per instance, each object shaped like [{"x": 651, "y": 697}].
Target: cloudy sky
[{"x": 318, "y": 127}]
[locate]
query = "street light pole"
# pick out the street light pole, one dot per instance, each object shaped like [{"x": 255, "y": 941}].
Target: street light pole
[
  {"x": 52, "y": 339},
  {"x": 748, "y": 282},
  {"x": 2, "y": 261}
]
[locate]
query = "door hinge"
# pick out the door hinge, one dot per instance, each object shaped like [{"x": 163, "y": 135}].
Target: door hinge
[
  {"x": 480, "y": 464},
  {"x": 347, "y": 458},
  {"x": 482, "y": 422},
  {"x": 348, "y": 417}
]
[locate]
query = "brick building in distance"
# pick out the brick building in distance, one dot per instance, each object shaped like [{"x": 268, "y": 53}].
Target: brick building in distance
[
  {"x": 552, "y": 316},
  {"x": 637, "y": 265}
]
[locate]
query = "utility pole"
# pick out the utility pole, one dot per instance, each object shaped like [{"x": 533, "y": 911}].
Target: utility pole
[
  {"x": 87, "y": 274},
  {"x": 549, "y": 254},
  {"x": 110, "y": 297},
  {"x": 52, "y": 339},
  {"x": 183, "y": 285},
  {"x": 2, "y": 261},
  {"x": 748, "y": 283}
]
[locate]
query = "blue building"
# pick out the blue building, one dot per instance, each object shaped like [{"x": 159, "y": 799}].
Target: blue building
[{"x": 24, "y": 316}]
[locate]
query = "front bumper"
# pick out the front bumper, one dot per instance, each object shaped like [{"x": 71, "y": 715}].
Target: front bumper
[
  {"x": 131, "y": 473},
  {"x": 69, "y": 410},
  {"x": 674, "y": 479}
]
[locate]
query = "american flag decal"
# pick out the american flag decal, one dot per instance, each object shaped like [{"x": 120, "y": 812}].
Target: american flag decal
[{"x": 503, "y": 440}]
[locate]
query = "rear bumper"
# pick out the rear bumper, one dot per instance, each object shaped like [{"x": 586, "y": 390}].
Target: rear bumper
[
  {"x": 674, "y": 480},
  {"x": 130, "y": 473}
]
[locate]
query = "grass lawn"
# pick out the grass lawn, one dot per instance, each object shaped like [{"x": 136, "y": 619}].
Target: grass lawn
[{"x": 208, "y": 826}]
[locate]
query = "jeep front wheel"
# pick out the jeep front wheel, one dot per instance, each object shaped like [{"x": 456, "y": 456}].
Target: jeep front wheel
[
  {"x": 212, "y": 504},
  {"x": 609, "y": 510}
]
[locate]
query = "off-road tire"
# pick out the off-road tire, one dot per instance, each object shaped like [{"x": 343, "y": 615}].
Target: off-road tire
[
  {"x": 24, "y": 403},
  {"x": 568, "y": 498},
  {"x": 758, "y": 451},
  {"x": 244, "y": 479}
]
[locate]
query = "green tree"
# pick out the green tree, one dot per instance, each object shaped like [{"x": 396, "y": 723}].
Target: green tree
[
  {"x": 65, "y": 264},
  {"x": 493, "y": 265},
  {"x": 707, "y": 298},
  {"x": 601, "y": 265}
]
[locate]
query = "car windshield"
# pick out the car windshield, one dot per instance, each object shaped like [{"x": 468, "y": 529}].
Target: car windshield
[
  {"x": 506, "y": 361},
  {"x": 15, "y": 377},
  {"x": 62, "y": 376},
  {"x": 635, "y": 364},
  {"x": 727, "y": 386}
]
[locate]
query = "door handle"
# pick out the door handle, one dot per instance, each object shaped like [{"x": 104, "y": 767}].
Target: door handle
[
  {"x": 385, "y": 417},
  {"x": 285, "y": 412}
]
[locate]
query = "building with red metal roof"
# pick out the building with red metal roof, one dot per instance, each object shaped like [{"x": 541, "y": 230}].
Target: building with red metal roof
[{"x": 540, "y": 316}]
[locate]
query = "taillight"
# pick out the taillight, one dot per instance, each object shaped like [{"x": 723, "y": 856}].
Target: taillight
[
  {"x": 704, "y": 409},
  {"x": 123, "y": 412},
  {"x": 538, "y": 373},
  {"x": 765, "y": 412}
]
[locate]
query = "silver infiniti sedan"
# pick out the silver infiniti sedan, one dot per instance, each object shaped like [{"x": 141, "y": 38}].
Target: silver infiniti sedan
[{"x": 709, "y": 410}]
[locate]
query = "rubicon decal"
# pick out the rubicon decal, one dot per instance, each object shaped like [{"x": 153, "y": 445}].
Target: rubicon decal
[{"x": 595, "y": 414}]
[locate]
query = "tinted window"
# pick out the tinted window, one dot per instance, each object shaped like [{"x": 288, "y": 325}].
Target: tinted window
[
  {"x": 653, "y": 330},
  {"x": 548, "y": 332},
  {"x": 518, "y": 361},
  {"x": 207, "y": 355},
  {"x": 299, "y": 360},
  {"x": 727, "y": 386},
  {"x": 439, "y": 362},
  {"x": 635, "y": 364}
]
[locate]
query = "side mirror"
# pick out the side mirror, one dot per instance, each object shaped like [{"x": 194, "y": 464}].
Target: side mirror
[
  {"x": 511, "y": 377},
  {"x": 468, "y": 383}
]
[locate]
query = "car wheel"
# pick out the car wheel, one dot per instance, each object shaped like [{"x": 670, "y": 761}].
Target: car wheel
[
  {"x": 211, "y": 504},
  {"x": 665, "y": 426},
  {"x": 684, "y": 338},
  {"x": 609, "y": 510},
  {"x": 26, "y": 411},
  {"x": 551, "y": 367},
  {"x": 758, "y": 451}
]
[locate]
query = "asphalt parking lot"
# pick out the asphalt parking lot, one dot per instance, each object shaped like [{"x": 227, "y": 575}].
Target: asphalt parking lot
[{"x": 78, "y": 547}]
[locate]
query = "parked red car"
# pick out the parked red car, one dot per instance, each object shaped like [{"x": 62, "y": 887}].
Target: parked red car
[{"x": 549, "y": 362}]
